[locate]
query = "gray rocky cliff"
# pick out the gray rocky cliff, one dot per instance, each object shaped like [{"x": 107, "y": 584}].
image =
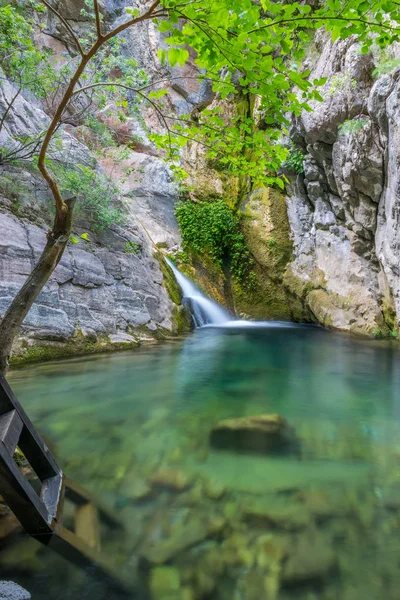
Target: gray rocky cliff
[{"x": 343, "y": 210}]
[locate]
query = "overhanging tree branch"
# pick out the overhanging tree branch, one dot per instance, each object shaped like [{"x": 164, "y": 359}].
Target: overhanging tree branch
[
  {"x": 98, "y": 19},
  {"x": 323, "y": 19}
]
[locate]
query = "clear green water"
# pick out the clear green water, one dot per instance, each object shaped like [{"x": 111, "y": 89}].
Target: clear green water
[{"x": 114, "y": 420}]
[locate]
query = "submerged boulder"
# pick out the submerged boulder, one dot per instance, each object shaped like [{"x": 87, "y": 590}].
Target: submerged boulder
[
  {"x": 312, "y": 559},
  {"x": 171, "y": 479},
  {"x": 261, "y": 433}
]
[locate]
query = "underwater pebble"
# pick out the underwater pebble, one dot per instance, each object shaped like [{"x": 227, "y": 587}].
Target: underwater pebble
[
  {"x": 311, "y": 559},
  {"x": 170, "y": 478},
  {"x": 214, "y": 490},
  {"x": 260, "y": 433},
  {"x": 289, "y": 518},
  {"x": 165, "y": 583}
]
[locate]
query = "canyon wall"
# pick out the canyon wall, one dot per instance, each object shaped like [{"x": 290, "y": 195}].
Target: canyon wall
[{"x": 344, "y": 209}]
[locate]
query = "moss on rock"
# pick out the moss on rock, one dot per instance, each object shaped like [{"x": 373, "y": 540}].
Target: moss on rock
[
  {"x": 170, "y": 283},
  {"x": 29, "y": 350},
  {"x": 266, "y": 229}
]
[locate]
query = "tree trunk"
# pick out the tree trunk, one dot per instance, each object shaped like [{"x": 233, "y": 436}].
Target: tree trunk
[{"x": 57, "y": 239}]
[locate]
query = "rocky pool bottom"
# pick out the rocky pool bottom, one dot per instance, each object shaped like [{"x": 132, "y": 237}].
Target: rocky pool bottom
[{"x": 317, "y": 520}]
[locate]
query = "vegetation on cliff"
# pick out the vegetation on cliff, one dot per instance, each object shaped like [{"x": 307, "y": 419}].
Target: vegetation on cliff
[{"x": 212, "y": 228}]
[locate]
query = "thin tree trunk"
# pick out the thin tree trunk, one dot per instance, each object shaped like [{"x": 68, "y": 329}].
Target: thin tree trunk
[{"x": 57, "y": 239}]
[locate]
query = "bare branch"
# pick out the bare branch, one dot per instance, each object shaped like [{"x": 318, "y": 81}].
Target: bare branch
[
  {"x": 153, "y": 104},
  {"x": 147, "y": 86},
  {"x": 66, "y": 25},
  {"x": 69, "y": 92},
  {"x": 9, "y": 106},
  {"x": 98, "y": 19}
]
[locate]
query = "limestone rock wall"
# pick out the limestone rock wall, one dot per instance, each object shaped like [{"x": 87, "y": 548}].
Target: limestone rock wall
[
  {"x": 108, "y": 292},
  {"x": 344, "y": 209}
]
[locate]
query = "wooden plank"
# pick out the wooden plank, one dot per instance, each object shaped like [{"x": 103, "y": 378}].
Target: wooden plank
[
  {"x": 31, "y": 444},
  {"x": 51, "y": 494},
  {"x": 10, "y": 430},
  {"x": 72, "y": 548},
  {"x": 87, "y": 525},
  {"x": 79, "y": 495},
  {"x": 22, "y": 498}
]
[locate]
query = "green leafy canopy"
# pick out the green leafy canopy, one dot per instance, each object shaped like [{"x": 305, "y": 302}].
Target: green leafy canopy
[
  {"x": 253, "y": 49},
  {"x": 244, "y": 49}
]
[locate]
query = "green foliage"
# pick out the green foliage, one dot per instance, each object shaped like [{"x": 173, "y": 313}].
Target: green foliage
[
  {"x": 265, "y": 42},
  {"x": 351, "y": 126},
  {"x": 75, "y": 240},
  {"x": 386, "y": 64},
  {"x": 294, "y": 162},
  {"x": 393, "y": 334},
  {"x": 10, "y": 187},
  {"x": 26, "y": 68},
  {"x": 242, "y": 48},
  {"x": 341, "y": 82},
  {"x": 213, "y": 228},
  {"x": 103, "y": 136},
  {"x": 131, "y": 247},
  {"x": 21, "y": 61},
  {"x": 96, "y": 194}
]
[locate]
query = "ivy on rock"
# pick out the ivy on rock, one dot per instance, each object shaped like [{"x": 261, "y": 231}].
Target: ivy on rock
[{"x": 212, "y": 228}]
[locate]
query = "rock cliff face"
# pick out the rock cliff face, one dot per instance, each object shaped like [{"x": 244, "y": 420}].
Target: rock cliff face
[{"x": 343, "y": 211}]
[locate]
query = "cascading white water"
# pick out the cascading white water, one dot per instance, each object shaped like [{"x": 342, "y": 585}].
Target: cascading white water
[{"x": 204, "y": 311}]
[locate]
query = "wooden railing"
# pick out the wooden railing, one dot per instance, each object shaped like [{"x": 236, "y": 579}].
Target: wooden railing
[{"x": 41, "y": 514}]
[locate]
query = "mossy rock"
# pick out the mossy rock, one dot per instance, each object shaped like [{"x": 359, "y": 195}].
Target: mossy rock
[
  {"x": 165, "y": 583},
  {"x": 181, "y": 319},
  {"x": 28, "y": 350},
  {"x": 266, "y": 229},
  {"x": 207, "y": 275},
  {"x": 170, "y": 284}
]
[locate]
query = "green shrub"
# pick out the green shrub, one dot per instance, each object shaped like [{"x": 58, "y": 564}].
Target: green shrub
[
  {"x": 386, "y": 63},
  {"x": 294, "y": 162},
  {"x": 213, "y": 228},
  {"x": 351, "y": 126},
  {"x": 131, "y": 247},
  {"x": 341, "y": 82},
  {"x": 386, "y": 68},
  {"x": 102, "y": 134},
  {"x": 96, "y": 194}
]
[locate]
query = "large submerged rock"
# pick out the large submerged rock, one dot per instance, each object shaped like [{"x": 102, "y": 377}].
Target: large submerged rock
[{"x": 262, "y": 433}]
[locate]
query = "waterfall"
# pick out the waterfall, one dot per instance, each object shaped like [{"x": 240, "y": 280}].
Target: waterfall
[{"x": 203, "y": 310}]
